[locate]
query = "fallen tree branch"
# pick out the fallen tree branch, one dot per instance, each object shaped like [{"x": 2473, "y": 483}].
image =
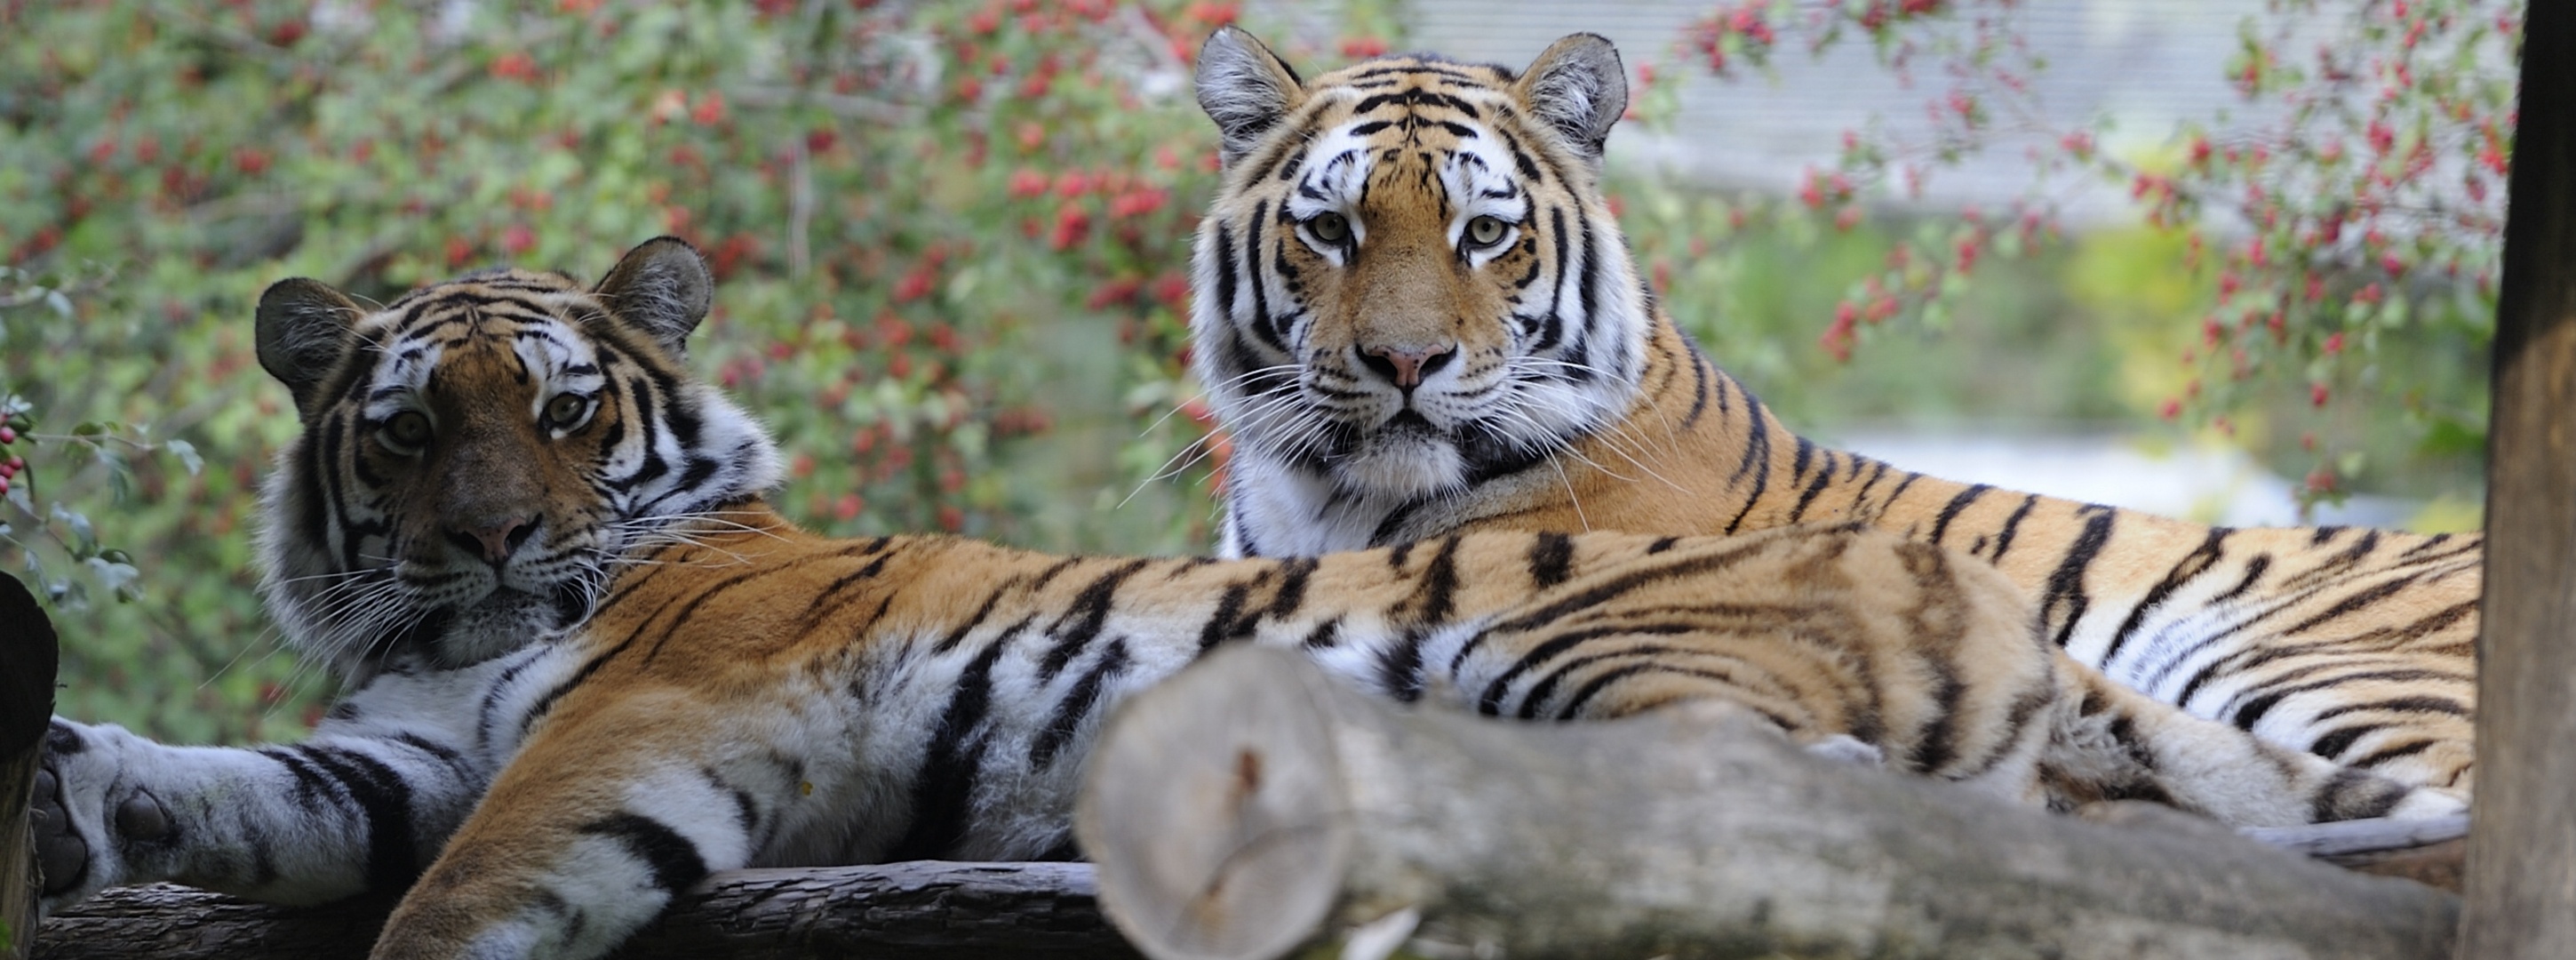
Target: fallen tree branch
[
  {"x": 1252, "y": 805},
  {"x": 908, "y": 910}
]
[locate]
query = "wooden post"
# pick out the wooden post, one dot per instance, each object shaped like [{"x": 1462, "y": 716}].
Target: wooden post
[
  {"x": 27, "y": 658},
  {"x": 2522, "y": 853},
  {"x": 1252, "y": 805}
]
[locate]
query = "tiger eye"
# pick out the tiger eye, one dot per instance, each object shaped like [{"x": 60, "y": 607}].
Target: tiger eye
[
  {"x": 1330, "y": 227},
  {"x": 566, "y": 409},
  {"x": 1485, "y": 231},
  {"x": 409, "y": 428}
]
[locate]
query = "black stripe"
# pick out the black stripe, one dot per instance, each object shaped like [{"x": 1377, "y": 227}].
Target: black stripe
[
  {"x": 2392, "y": 752},
  {"x": 393, "y": 862},
  {"x": 2192, "y": 565},
  {"x": 2252, "y": 712},
  {"x": 2354, "y": 603},
  {"x": 2376, "y": 796},
  {"x": 675, "y": 862},
  {"x": 1699, "y": 382},
  {"x": 1757, "y": 452},
  {"x": 2066, "y": 584},
  {"x": 1262, "y": 323},
  {"x": 1227, "y": 622},
  {"x": 689, "y": 610},
  {"x": 1551, "y": 559},
  {"x": 1082, "y": 701},
  {"x": 1555, "y": 326},
  {"x": 1088, "y": 613},
  {"x": 1434, "y": 600},
  {"x": 830, "y": 600},
  {"x": 945, "y": 785},
  {"x": 2408, "y": 704},
  {"x": 1490, "y": 703},
  {"x": 1291, "y": 597},
  {"x": 2335, "y": 742},
  {"x": 982, "y": 613},
  {"x": 1950, "y": 511},
  {"x": 1225, "y": 268},
  {"x": 2004, "y": 538}
]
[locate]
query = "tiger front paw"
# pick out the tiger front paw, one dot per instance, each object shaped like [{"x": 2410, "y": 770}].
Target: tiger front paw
[{"x": 85, "y": 814}]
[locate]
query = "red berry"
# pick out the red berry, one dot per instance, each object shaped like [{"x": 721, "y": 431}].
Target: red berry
[
  {"x": 7, "y": 435},
  {"x": 4, "y": 484}
]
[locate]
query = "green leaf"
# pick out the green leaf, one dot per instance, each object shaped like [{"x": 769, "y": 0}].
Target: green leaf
[
  {"x": 187, "y": 454},
  {"x": 84, "y": 537},
  {"x": 114, "y": 576}
]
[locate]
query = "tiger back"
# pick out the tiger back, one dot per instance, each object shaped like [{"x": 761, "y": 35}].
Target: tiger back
[
  {"x": 1414, "y": 314},
  {"x": 755, "y": 695}
]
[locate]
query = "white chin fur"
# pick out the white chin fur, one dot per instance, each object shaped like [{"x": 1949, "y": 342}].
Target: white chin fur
[
  {"x": 502, "y": 621},
  {"x": 1402, "y": 466}
]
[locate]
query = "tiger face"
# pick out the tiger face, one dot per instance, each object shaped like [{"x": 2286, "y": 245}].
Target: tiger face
[
  {"x": 1408, "y": 282},
  {"x": 476, "y": 452}
]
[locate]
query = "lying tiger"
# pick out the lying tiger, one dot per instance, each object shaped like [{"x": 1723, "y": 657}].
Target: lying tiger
[
  {"x": 591, "y": 666},
  {"x": 1415, "y": 316}
]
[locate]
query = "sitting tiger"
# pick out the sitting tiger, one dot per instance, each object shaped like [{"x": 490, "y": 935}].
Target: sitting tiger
[
  {"x": 592, "y": 666},
  {"x": 1415, "y": 316}
]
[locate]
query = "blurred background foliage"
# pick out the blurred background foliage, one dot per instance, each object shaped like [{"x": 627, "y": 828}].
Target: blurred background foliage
[{"x": 951, "y": 242}]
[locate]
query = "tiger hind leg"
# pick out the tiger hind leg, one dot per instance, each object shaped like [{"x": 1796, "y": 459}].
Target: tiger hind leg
[{"x": 2112, "y": 743}]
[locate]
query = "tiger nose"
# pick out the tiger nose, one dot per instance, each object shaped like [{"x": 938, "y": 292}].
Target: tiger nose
[
  {"x": 495, "y": 543},
  {"x": 1406, "y": 366}
]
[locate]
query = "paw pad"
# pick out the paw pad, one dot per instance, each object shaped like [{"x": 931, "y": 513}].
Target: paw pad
[
  {"x": 141, "y": 817},
  {"x": 59, "y": 852}
]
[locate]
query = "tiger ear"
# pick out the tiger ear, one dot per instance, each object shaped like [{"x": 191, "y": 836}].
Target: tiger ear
[
  {"x": 661, "y": 289},
  {"x": 1580, "y": 88},
  {"x": 1246, "y": 89},
  {"x": 305, "y": 327}
]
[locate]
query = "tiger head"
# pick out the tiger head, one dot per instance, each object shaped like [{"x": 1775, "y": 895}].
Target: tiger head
[
  {"x": 476, "y": 455},
  {"x": 1409, "y": 280}
]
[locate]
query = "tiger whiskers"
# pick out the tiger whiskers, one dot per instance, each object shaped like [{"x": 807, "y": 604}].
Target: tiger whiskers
[
  {"x": 1258, "y": 422},
  {"x": 272, "y": 637},
  {"x": 1523, "y": 396}
]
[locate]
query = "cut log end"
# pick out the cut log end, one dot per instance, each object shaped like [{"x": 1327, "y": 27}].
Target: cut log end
[{"x": 1242, "y": 795}]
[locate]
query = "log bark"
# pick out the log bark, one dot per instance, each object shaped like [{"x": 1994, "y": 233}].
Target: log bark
[
  {"x": 28, "y": 655},
  {"x": 1253, "y": 805},
  {"x": 2522, "y": 856},
  {"x": 915, "y": 911}
]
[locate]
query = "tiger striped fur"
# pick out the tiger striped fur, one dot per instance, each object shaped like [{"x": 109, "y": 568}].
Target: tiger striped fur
[
  {"x": 1415, "y": 315},
  {"x": 746, "y": 693}
]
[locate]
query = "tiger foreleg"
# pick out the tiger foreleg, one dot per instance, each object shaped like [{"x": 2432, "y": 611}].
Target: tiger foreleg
[
  {"x": 591, "y": 832},
  {"x": 2113, "y": 743},
  {"x": 360, "y": 806},
  {"x": 308, "y": 823}
]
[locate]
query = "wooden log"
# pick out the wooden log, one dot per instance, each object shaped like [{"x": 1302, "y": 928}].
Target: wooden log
[
  {"x": 28, "y": 655},
  {"x": 1252, "y": 805},
  {"x": 2522, "y": 856},
  {"x": 915, "y": 911}
]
